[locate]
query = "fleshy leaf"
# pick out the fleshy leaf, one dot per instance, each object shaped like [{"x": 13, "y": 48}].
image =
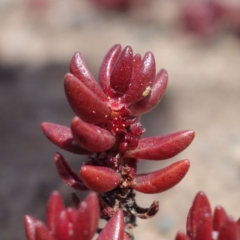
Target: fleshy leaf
[
  {"x": 143, "y": 80},
  {"x": 85, "y": 224},
  {"x": 42, "y": 233},
  {"x": 68, "y": 176},
  {"x": 114, "y": 229},
  {"x": 154, "y": 96},
  {"x": 94, "y": 211},
  {"x": 204, "y": 228},
  {"x": 84, "y": 102},
  {"x": 62, "y": 137},
  {"x": 199, "y": 209},
  {"x": 122, "y": 71},
  {"x": 64, "y": 228},
  {"x": 182, "y": 236},
  {"x": 30, "y": 227},
  {"x": 54, "y": 207},
  {"x": 162, "y": 147},
  {"x": 161, "y": 180},
  {"x": 219, "y": 217},
  {"x": 91, "y": 137},
  {"x": 99, "y": 179},
  {"x": 107, "y": 68},
  {"x": 229, "y": 230},
  {"x": 79, "y": 69}
]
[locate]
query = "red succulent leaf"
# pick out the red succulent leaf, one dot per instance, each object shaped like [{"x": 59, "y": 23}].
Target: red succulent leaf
[
  {"x": 161, "y": 180},
  {"x": 94, "y": 211},
  {"x": 197, "y": 213},
  {"x": 114, "y": 229},
  {"x": 79, "y": 69},
  {"x": 161, "y": 147},
  {"x": 219, "y": 217},
  {"x": 107, "y": 68},
  {"x": 64, "y": 226},
  {"x": 62, "y": 137},
  {"x": 238, "y": 226},
  {"x": 229, "y": 230},
  {"x": 86, "y": 220},
  {"x": 84, "y": 102},
  {"x": 42, "y": 232},
  {"x": 30, "y": 227},
  {"x": 140, "y": 85},
  {"x": 182, "y": 236},
  {"x": 122, "y": 71},
  {"x": 54, "y": 207},
  {"x": 91, "y": 137},
  {"x": 137, "y": 60},
  {"x": 204, "y": 228},
  {"x": 68, "y": 176},
  {"x": 99, "y": 179},
  {"x": 155, "y": 95}
]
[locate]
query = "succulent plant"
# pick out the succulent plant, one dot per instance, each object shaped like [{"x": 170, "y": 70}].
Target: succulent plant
[
  {"x": 74, "y": 223},
  {"x": 202, "y": 224},
  {"x": 107, "y": 129}
]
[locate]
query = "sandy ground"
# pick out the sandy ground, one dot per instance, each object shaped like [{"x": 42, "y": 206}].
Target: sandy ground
[{"x": 36, "y": 45}]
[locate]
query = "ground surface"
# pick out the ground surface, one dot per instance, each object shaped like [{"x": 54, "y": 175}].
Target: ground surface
[{"x": 36, "y": 45}]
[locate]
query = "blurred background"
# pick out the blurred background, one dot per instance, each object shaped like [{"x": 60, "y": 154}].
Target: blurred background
[{"x": 196, "y": 41}]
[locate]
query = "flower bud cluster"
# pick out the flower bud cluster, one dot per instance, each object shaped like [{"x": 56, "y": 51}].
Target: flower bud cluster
[{"x": 202, "y": 224}]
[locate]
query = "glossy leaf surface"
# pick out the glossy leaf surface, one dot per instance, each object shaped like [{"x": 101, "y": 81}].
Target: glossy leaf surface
[
  {"x": 154, "y": 96},
  {"x": 91, "y": 137},
  {"x": 68, "y": 176},
  {"x": 62, "y": 137},
  {"x": 122, "y": 71},
  {"x": 79, "y": 69},
  {"x": 55, "y": 206},
  {"x": 85, "y": 224},
  {"x": 114, "y": 229},
  {"x": 161, "y": 180},
  {"x": 99, "y": 179},
  {"x": 84, "y": 102},
  {"x": 199, "y": 209},
  {"x": 142, "y": 81},
  {"x": 107, "y": 68},
  {"x": 162, "y": 147}
]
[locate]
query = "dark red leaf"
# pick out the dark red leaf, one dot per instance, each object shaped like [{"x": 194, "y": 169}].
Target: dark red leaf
[
  {"x": 122, "y": 71},
  {"x": 204, "y": 228},
  {"x": 219, "y": 217},
  {"x": 62, "y": 137},
  {"x": 161, "y": 180},
  {"x": 79, "y": 69},
  {"x": 94, "y": 211},
  {"x": 84, "y": 102},
  {"x": 143, "y": 80},
  {"x": 200, "y": 208},
  {"x": 114, "y": 229},
  {"x": 55, "y": 206},
  {"x": 107, "y": 68},
  {"x": 182, "y": 236},
  {"x": 229, "y": 230},
  {"x": 99, "y": 179},
  {"x": 42, "y": 233},
  {"x": 85, "y": 224},
  {"x": 91, "y": 137},
  {"x": 68, "y": 176},
  {"x": 162, "y": 147},
  {"x": 30, "y": 227},
  {"x": 154, "y": 96},
  {"x": 64, "y": 227}
]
